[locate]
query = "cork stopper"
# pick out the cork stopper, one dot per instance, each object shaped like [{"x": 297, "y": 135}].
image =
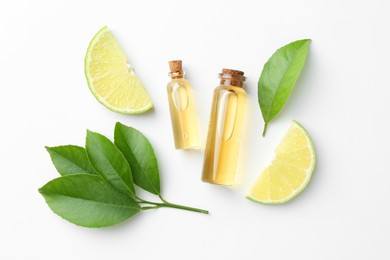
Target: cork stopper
[
  {"x": 232, "y": 77},
  {"x": 176, "y": 69}
]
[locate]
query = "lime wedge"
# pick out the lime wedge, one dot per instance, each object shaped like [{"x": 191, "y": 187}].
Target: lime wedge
[
  {"x": 110, "y": 77},
  {"x": 290, "y": 170}
]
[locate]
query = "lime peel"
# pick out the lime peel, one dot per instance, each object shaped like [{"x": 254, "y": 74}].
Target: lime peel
[
  {"x": 111, "y": 78},
  {"x": 290, "y": 170}
]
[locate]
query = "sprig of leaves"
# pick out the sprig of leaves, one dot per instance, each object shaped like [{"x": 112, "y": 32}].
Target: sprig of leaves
[
  {"x": 279, "y": 76},
  {"x": 96, "y": 188}
]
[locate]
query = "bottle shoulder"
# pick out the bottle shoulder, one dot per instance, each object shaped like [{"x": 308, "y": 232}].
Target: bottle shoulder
[
  {"x": 238, "y": 90},
  {"x": 174, "y": 83}
]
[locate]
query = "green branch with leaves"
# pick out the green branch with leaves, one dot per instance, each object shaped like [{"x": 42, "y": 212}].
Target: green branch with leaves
[{"x": 96, "y": 187}]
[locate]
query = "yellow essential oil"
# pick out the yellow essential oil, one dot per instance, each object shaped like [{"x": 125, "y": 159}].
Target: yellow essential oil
[
  {"x": 182, "y": 109},
  {"x": 226, "y": 119}
]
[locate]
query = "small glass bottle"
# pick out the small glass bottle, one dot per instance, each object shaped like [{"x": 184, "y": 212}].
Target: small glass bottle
[
  {"x": 226, "y": 119},
  {"x": 182, "y": 109}
]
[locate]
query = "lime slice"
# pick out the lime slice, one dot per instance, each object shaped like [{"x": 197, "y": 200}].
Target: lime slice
[
  {"x": 110, "y": 77},
  {"x": 290, "y": 170}
]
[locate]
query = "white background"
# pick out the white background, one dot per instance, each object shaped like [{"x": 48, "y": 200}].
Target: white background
[{"x": 342, "y": 98}]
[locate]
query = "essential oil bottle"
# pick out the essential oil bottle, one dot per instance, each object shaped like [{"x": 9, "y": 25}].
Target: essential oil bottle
[
  {"x": 182, "y": 109},
  {"x": 226, "y": 119}
]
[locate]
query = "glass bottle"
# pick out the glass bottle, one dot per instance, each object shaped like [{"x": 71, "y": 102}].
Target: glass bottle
[
  {"x": 182, "y": 109},
  {"x": 226, "y": 119}
]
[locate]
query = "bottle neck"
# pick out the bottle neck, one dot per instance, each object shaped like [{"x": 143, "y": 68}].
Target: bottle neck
[
  {"x": 176, "y": 75},
  {"x": 176, "y": 69},
  {"x": 230, "y": 77}
]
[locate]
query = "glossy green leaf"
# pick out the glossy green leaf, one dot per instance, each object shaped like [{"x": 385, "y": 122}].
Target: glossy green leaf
[
  {"x": 70, "y": 159},
  {"x": 88, "y": 200},
  {"x": 140, "y": 155},
  {"x": 109, "y": 162},
  {"x": 279, "y": 76}
]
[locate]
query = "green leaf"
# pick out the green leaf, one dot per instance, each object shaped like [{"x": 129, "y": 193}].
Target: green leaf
[
  {"x": 140, "y": 155},
  {"x": 278, "y": 78},
  {"x": 70, "y": 159},
  {"x": 87, "y": 200},
  {"x": 109, "y": 162}
]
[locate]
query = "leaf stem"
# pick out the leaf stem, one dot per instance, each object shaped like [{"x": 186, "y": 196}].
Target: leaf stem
[
  {"x": 167, "y": 204},
  {"x": 265, "y": 128},
  {"x": 162, "y": 199},
  {"x": 176, "y": 206},
  {"x": 146, "y": 202},
  {"x": 148, "y": 207}
]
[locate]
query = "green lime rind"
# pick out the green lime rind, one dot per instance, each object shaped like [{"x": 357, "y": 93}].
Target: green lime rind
[
  {"x": 307, "y": 180},
  {"x": 92, "y": 89}
]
